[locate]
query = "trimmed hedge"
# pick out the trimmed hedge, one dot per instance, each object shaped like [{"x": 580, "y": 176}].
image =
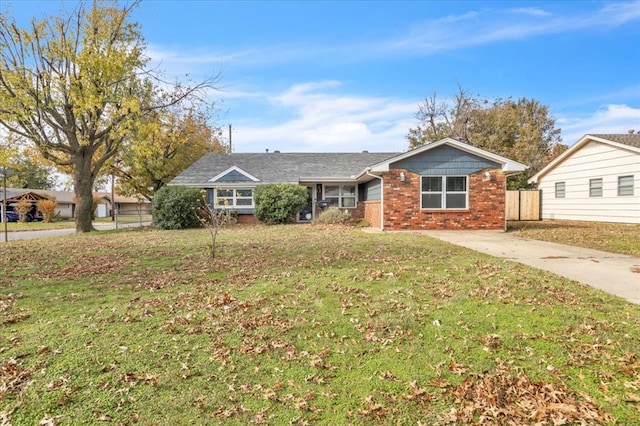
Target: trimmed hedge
[
  {"x": 176, "y": 207},
  {"x": 279, "y": 202}
]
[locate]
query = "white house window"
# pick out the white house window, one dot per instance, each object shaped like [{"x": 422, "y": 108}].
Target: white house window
[
  {"x": 625, "y": 185},
  {"x": 343, "y": 196},
  {"x": 443, "y": 192},
  {"x": 560, "y": 189},
  {"x": 595, "y": 187},
  {"x": 234, "y": 197}
]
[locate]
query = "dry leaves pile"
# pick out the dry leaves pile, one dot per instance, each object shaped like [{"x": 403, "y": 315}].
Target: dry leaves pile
[
  {"x": 8, "y": 308},
  {"x": 12, "y": 377},
  {"x": 503, "y": 398}
]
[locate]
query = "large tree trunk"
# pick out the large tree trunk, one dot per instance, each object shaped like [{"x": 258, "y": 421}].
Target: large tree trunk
[{"x": 83, "y": 184}]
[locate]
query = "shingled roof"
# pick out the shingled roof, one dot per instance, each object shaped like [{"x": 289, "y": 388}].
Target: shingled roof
[
  {"x": 631, "y": 139},
  {"x": 279, "y": 167}
]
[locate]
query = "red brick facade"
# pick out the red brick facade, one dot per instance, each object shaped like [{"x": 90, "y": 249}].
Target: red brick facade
[
  {"x": 369, "y": 211},
  {"x": 402, "y": 205},
  {"x": 486, "y": 204},
  {"x": 247, "y": 219}
]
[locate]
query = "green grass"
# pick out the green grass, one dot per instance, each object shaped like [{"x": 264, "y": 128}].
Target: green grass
[
  {"x": 63, "y": 224},
  {"x": 37, "y": 226},
  {"x": 303, "y": 325},
  {"x": 621, "y": 238}
]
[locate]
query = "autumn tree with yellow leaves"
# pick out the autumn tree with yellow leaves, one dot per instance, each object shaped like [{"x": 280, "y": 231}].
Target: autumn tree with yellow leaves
[
  {"x": 75, "y": 86},
  {"x": 161, "y": 146}
]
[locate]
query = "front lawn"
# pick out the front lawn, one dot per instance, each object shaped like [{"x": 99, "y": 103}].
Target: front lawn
[
  {"x": 303, "y": 325},
  {"x": 621, "y": 238}
]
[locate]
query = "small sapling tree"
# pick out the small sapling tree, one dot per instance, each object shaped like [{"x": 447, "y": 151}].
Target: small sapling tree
[{"x": 214, "y": 218}]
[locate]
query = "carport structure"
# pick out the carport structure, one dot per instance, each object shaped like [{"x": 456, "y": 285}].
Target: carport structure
[{"x": 14, "y": 196}]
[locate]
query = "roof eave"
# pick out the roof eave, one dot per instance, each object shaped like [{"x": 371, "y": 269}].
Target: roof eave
[{"x": 352, "y": 178}]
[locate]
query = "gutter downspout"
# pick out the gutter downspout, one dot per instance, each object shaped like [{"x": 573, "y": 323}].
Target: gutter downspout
[{"x": 381, "y": 197}]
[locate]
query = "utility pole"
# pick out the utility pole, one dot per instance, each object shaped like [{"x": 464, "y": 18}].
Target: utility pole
[
  {"x": 230, "y": 150},
  {"x": 4, "y": 203},
  {"x": 114, "y": 211}
]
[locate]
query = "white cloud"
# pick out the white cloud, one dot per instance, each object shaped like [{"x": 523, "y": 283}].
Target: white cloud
[
  {"x": 610, "y": 118},
  {"x": 533, "y": 11},
  {"x": 489, "y": 26},
  {"x": 426, "y": 37},
  {"x": 319, "y": 120}
]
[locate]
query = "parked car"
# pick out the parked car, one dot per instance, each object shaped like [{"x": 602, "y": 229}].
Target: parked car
[
  {"x": 12, "y": 216},
  {"x": 33, "y": 215}
]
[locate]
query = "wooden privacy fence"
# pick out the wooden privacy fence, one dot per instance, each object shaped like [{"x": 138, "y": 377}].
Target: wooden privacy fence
[{"x": 523, "y": 204}]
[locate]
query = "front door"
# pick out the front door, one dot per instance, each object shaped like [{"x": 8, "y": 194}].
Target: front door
[{"x": 306, "y": 215}]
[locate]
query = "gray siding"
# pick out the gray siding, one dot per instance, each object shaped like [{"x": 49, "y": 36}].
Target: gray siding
[
  {"x": 371, "y": 190},
  {"x": 234, "y": 176},
  {"x": 444, "y": 160}
]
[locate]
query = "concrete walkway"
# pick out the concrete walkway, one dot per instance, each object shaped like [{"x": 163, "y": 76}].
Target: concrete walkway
[{"x": 616, "y": 274}]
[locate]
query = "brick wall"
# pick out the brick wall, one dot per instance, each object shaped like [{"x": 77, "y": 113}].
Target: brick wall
[
  {"x": 247, "y": 219},
  {"x": 486, "y": 207},
  {"x": 371, "y": 212}
]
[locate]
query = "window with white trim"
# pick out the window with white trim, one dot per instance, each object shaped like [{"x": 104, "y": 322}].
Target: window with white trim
[
  {"x": 443, "y": 192},
  {"x": 595, "y": 187},
  {"x": 625, "y": 185},
  {"x": 560, "y": 189},
  {"x": 343, "y": 196},
  {"x": 234, "y": 198}
]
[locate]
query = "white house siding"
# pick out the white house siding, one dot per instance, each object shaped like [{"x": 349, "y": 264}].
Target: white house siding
[
  {"x": 65, "y": 210},
  {"x": 594, "y": 160},
  {"x": 101, "y": 210}
]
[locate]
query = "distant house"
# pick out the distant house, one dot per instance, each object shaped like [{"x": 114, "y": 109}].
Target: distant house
[
  {"x": 126, "y": 206},
  {"x": 597, "y": 179},
  {"x": 15, "y": 196},
  {"x": 66, "y": 202},
  {"x": 442, "y": 185}
]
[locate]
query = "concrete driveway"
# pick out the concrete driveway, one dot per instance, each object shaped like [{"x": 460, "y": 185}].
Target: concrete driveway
[{"x": 614, "y": 273}]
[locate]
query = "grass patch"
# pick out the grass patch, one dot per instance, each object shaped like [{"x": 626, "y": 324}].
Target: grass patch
[
  {"x": 37, "y": 226},
  {"x": 301, "y": 325},
  {"x": 65, "y": 224},
  {"x": 620, "y": 238}
]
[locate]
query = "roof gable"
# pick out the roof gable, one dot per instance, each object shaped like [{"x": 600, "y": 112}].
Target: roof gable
[
  {"x": 234, "y": 174},
  {"x": 15, "y": 195},
  {"x": 444, "y": 160},
  {"x": 508, "y": 166},
  {"x": 627, "y": 142}
]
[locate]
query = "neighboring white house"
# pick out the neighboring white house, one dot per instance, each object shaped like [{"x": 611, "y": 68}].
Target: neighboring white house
[{"x": 597, "y": 179}]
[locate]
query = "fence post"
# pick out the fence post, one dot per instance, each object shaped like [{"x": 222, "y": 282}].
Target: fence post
[{"x": 519, "y": 205}]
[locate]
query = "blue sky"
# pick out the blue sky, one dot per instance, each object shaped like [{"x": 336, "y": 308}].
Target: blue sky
[{"x": 329, "y": 76}]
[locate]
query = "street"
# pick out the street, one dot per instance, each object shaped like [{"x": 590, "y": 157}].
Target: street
[{"x": 32, "y": 235}]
